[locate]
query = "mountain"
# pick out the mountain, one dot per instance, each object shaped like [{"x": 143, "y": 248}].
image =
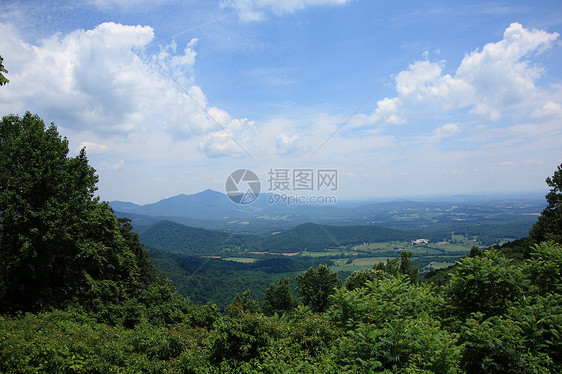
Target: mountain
[
  {"x": 311, "y": 236},
  {"x": 174, "y": 237},
  {"x": 207, "y": 203},
  {"x": 123, "y": 206},
  {"x": 216, "y": 206}
]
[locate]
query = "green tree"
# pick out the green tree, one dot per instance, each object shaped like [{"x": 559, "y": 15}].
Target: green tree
[
  {"x": 316, "y": 285},
  {"x": 58, "y": 244},
  {"x": 401, "y": 265},
  {"x": 359, "y": 278},
  {"x": 279, "y": 298},
  {"x": 488, "y": 283},
  {"x": 243, "y": 303},
  {"x": 549, "y": 224},
  {"x": 3, "y": 79}
]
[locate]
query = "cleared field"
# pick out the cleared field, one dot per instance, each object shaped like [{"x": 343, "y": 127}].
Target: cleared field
[
  {"x": 369, "y": 261},
  {"x": 244, "y": 260},
  {"x": 350, "y": 268},
  {"x": 440, "y": 265},
  {"x": 324, "y": 253},
  {"x": 386, "y": 246},
  {"x": 455, "y": 247},
  {"x": 423, "y": 250}
]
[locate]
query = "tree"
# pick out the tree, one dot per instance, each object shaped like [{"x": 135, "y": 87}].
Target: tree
[
  {"x": 58, "y": 243},
  {"x": 402, "y": 265},
  {"x": 316, "y": 285},
  {"x": 549, "y": 224},
  {"x": 279, "y": 298},
  {"x": 488, "y": 283},
  {"x": 3, "y": 79}
]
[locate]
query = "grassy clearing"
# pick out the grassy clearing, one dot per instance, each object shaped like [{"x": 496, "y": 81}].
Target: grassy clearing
[
  {"x": 350, "y": 268},
  {"x": 369, "y": 261},
  {"x": 385, "y": 246},
  {"x": 324, "y": 253},
  {"x": 244, "y": 260},
  {"x": 423, "y": 250},
  {"x": 440, "y": 265}
]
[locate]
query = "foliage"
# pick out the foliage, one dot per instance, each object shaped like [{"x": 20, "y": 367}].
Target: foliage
[
  {"x": 279, "y": 298},
  {"x": 60, "y": 247},
  {"x": 549, "y": 224},
  {"x": 3, "y": 79},
  {"x": 487, "y": 283},
  {"x": 402, "y": 265},
  {"x": 316, "y": 285}
]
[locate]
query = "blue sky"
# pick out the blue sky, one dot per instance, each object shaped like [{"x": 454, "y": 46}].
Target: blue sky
[{"x": 472, "y": 101}]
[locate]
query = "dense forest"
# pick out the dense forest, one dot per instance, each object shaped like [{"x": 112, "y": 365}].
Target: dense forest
[{"x": 79, "y": 293}]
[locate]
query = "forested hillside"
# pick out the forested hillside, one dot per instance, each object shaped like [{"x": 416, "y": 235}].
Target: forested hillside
[{"x": 78, "y": 293}]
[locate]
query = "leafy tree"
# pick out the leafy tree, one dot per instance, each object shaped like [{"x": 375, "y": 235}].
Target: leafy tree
[
  {"x": 549, "y": 224},
  {"x": 402, "y": 265},
  {"x": 544, "y": 268},
  {"x": 58, "y": 244},
  {"x": 279, "y": 298},
  {"x": 243, "y": 303},
  {"x": 316, "y": 285},
  {"x": 3, "y": 79},
  {"x": 487, "y": 283},
  {"x": 359, "y": 278}
]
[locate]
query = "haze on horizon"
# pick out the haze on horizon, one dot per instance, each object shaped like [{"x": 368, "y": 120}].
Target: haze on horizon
[{"x": 402, "y": 99}]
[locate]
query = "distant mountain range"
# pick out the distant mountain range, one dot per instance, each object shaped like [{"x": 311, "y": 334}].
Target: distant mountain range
[
  {"x": 206, "y": 204},
  {"x": 214, "y": 210}
]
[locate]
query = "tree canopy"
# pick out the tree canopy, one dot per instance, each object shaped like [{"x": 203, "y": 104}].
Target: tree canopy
[
  {"x": 3, "y": 79},
  {"x": 549, "y": 224},
  {"x": 59, "y": 245}
]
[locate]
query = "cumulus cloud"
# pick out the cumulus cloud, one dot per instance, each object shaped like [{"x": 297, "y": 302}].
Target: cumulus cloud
[
  {"x": 117, "y": 166},
  {"x": 104, "y": 81},
  {"x": 92, "y": 148},
  {"x": 443, "y": 132},
  {"x": 488, "y": 81},
  {"x": 500, "y": 74},
  {"x": 549, "y": 109},
  {"x": 386, "y": 112},
  {"x": 424, "y": 81},
  {"x": 255, "y": 10},
  {"x": 286, "y": 143},
  {"x": 234, "y": 141}
]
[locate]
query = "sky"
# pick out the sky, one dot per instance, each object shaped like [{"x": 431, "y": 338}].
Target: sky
[{"x": 401, "y": 98}]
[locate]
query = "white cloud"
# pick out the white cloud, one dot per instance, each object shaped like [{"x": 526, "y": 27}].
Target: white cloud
[
  {"x": 102, "y": 80},
  {"x": 489, "y": 81},
  {"x": 118, "y": 166},
  {"x": 255, "y": 10},
  {"x": 236, "y": 143},
  {"x": 92, "y": 148},
  {"x": 549, "y": 109},
  {"x": 500, "y": 74},
  {"x": 443, "y": 132},
  {"x": 287, "y": 143},
  {"x": 424, "y": 81},
  {"x": 386, "y": 112}
]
